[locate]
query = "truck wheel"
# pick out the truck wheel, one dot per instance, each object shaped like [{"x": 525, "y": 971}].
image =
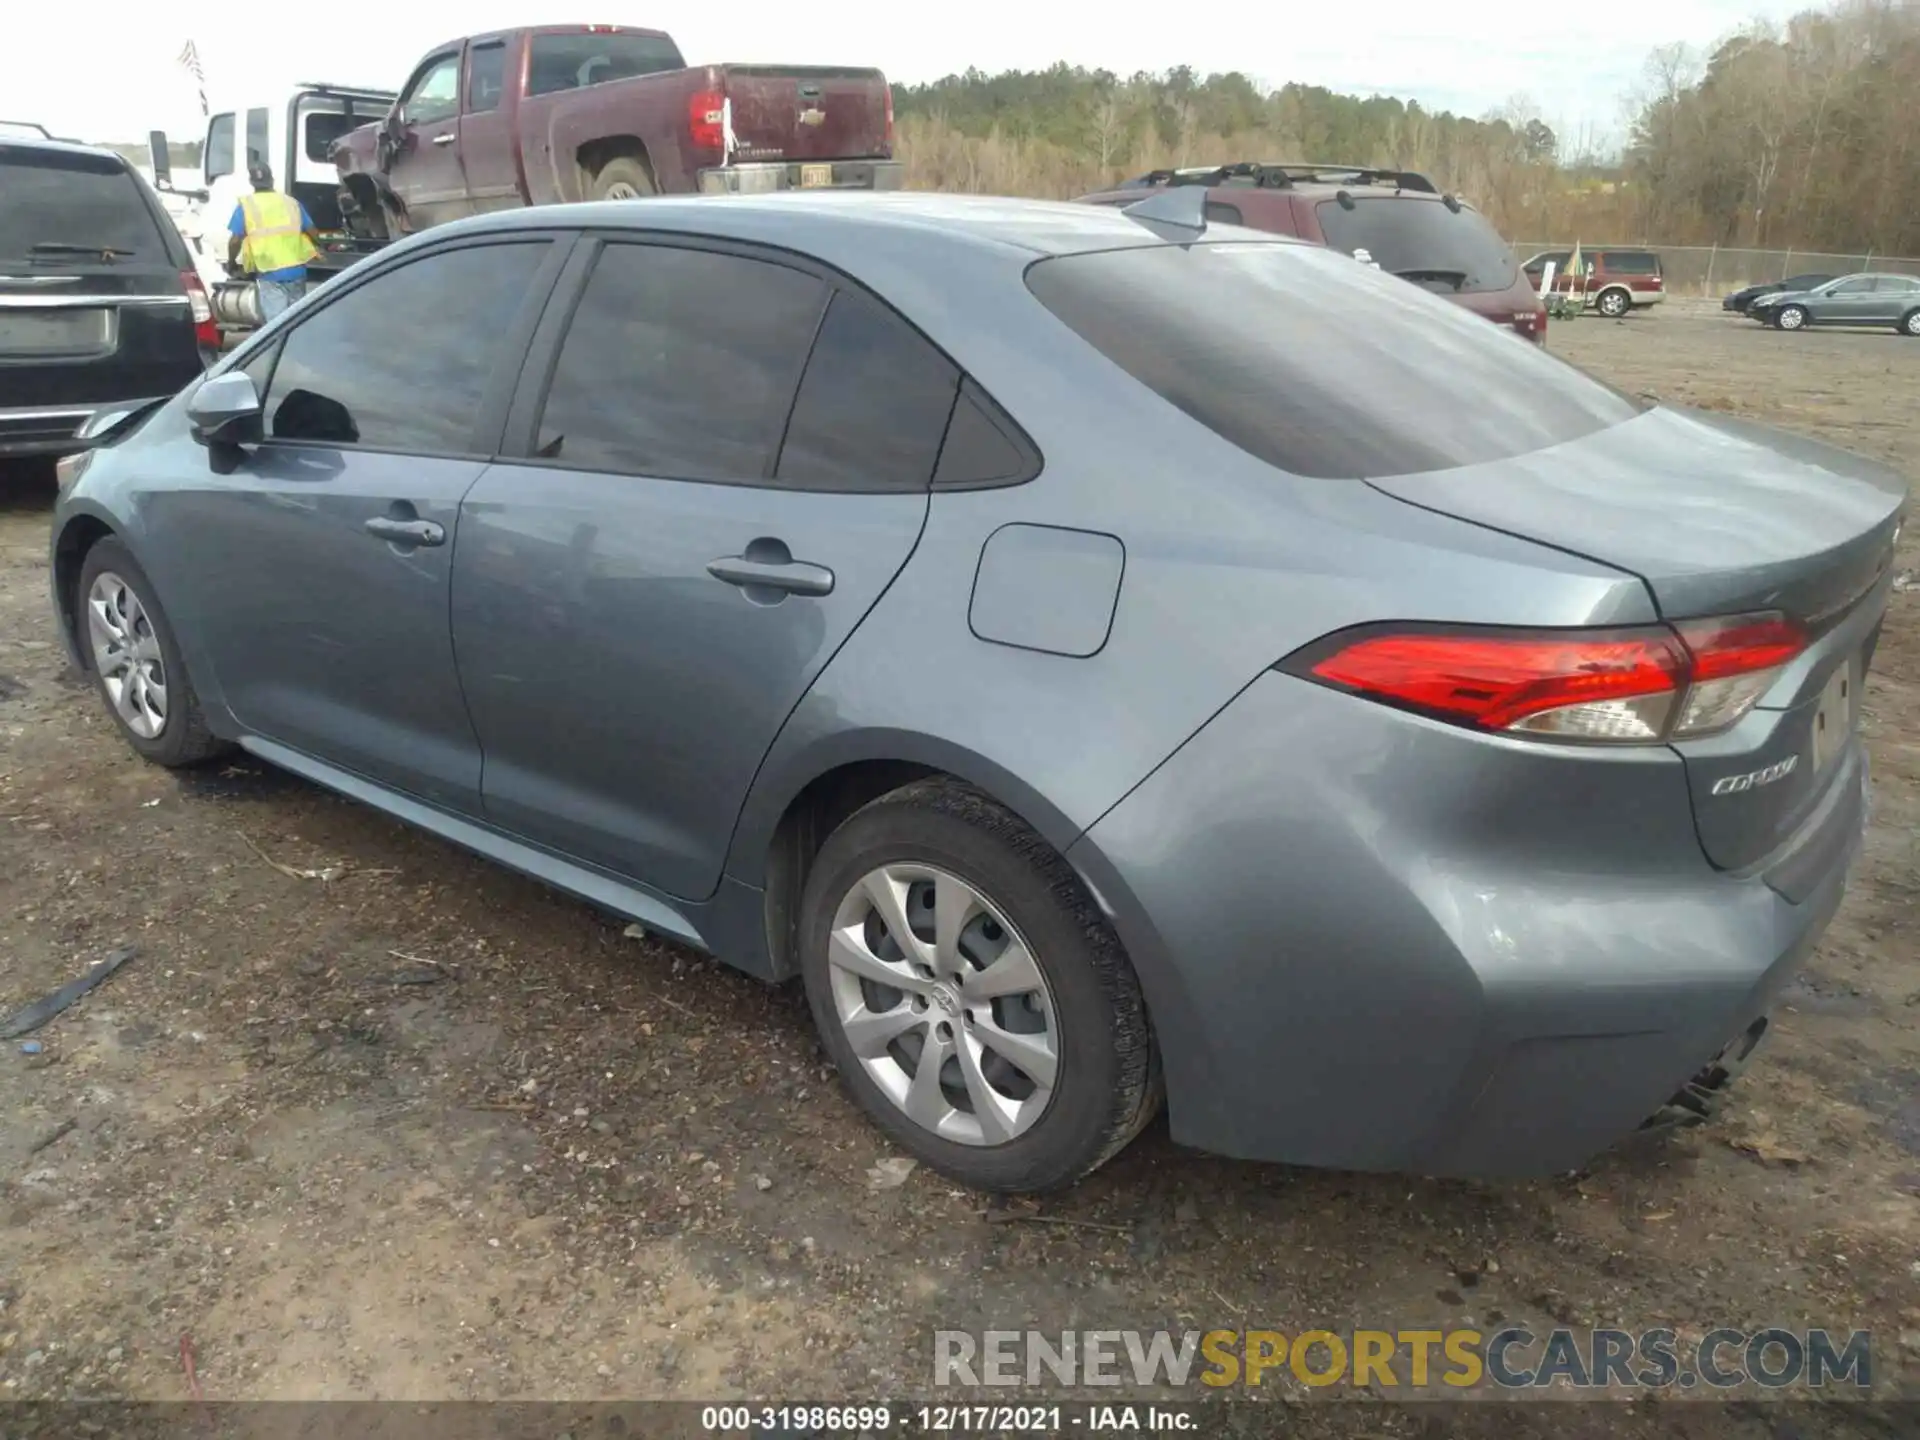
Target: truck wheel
[
  {"x": 624, "y": 178},
  {"x": 1613, "y": 303}
]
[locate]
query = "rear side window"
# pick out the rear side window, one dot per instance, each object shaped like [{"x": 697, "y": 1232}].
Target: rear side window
[
  {"x": 1452, "y": 251},
  {"x": 873, "y": 406},
  {"x": 486, "y": 76},
  {"x": 1630, "y": 262},
  {"x": 1320, "y": 366},
  {"x": 680, "y": 364},
  {"x": 402, "y": 362},
  {"x": 58, "y": 201},
  {"x": 568, "y": 62}
]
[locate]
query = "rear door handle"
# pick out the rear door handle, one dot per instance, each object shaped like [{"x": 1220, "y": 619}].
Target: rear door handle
[
  {"x": 406, "y": 532},
  {"x": 796, "y": 577},
  {"x": 446, "y": 139}
]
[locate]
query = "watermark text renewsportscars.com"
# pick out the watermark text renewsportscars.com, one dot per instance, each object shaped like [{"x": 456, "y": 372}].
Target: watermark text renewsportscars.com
[{"x": 1451, "y": 1360}]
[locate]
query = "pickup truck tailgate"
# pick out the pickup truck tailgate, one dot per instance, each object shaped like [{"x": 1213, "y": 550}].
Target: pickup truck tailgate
[{"x": 824, "y": 112}]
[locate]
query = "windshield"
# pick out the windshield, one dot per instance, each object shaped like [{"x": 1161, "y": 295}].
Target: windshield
[
  {"x": 1421, "y": 240},
  {"x": 1320, "y": 366},
  {"x": 567, "y": 62},
  {"x": 71, "y": 205}
]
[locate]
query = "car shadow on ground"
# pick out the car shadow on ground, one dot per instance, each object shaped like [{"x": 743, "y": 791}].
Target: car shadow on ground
[{"x": 26, "y": 486}]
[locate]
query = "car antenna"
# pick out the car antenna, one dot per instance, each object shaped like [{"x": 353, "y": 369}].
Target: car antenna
[{"x": 1182, "y": 207}]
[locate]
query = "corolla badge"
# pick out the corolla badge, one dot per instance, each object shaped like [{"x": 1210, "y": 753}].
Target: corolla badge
[{"x": 1754, "y": 779}]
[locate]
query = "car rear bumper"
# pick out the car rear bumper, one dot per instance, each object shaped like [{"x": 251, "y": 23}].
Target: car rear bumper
[
  {"x": 760, "y": 179},
  {"x": 1375, "y": 942},
  {"x": 56, "y": 429}
]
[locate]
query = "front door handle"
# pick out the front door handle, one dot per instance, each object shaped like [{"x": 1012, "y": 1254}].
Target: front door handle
[
  {"x": 406, "y": 532},
  {"x": 446, "y": 139},
  {"x": 795, "y": 577}
]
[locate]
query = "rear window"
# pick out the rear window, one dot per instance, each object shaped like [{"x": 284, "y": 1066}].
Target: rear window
[
  {"x": 1453, "y": 251},
  {"x": 568, "y": 62},
  {"x": 1631, "y": 262},
  {"x": 65, "y": 200},
  {"x": 1320, "y": 366}
]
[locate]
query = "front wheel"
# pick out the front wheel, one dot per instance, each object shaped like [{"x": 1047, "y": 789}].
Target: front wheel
[
  {"x": 1613, "y": 303},
  {"x": 977, "y": 1005},
  {"x": 136, "y": 662},
  {"x": 1910, "y": 322},
  {"x": 1791, "y": 317}
]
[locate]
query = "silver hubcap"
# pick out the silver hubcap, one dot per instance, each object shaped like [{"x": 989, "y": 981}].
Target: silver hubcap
[
  {"x": 1790, "y": 320},
  {"x": 944, "y": 1004},
  {"x": 1913, "y": 323},
  {"x": 126, "y": 655},
  {"x": 621, "y": 190},
  {"x": 1612, "y": 304}
]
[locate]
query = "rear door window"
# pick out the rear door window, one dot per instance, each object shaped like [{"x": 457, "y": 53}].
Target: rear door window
[
  {"x": 59, "y": 200},
  {"x": 1453, "y": 251},
  {"x": 1320, "y": 366},
  {"x": 680, "y": 364},
  {"x": 1630, "y": 262}
]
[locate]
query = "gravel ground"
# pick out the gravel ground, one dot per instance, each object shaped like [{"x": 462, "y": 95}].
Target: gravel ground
[{"x": 425, "y": 1130}]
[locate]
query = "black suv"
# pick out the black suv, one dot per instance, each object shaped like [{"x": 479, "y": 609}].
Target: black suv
[{"x": 100, "y": 308}]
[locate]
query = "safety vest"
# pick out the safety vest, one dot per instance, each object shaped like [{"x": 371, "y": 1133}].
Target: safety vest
[{"x": 274, "y": 239}]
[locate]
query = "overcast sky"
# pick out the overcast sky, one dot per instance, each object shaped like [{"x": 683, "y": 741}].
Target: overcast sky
[{"x": 105, "y": 76}]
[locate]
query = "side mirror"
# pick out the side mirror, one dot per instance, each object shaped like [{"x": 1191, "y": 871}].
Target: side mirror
[
  {"x": 158, "y": 158},
  {"x": 225, "y": 410}
]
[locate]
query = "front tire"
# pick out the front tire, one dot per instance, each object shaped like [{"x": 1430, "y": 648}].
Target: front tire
[
  {"x": 1613, "y": 303},
  {"x": 977, "y": 1005},
  {"x": 1910, "y": 322},
  {"x": 1791, "y": 317},
  {"x": 136, "y": 662}
]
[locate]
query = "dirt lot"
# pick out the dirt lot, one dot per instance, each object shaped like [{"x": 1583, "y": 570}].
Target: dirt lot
[{"x": 426, "y": 1130}]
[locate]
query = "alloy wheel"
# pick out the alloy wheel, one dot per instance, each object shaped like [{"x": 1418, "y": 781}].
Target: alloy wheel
[
  {"x": 1613, "y": 304},
  {"x": 944, "y": 1004},
  {"x": 1792, "y": 318},
  {"x": 126, "y": 655}
]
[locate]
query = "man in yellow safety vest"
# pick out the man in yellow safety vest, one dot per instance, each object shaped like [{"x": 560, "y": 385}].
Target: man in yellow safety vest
[{"x": 272, "y": 235}]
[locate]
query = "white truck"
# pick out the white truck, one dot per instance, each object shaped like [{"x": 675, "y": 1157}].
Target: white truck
[{"x": 294, "y": 133}]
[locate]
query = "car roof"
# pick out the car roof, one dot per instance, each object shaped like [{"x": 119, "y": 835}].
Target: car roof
[
  {"x": 798, "y": 219},
  {"x": 32, "y": 143}
]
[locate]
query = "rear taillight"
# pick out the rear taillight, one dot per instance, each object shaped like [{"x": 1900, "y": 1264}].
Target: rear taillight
[
  {"x": 707, "y": 119},
  {"x": 205, "y": 332},
  {"x": 889, "y": 89},
  {"x": 1642, "y": 685}
]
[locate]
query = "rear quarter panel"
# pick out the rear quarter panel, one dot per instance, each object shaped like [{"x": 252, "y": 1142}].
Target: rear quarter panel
[{"x": 650, "y": 109}]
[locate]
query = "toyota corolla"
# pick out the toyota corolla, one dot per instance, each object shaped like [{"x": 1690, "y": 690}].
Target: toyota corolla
[{"x": 1104, "y": 660}]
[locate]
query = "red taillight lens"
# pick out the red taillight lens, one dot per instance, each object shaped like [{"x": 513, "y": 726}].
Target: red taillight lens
[
  {"x": 707, "y": 119},
  {"x": 889, "y": 119},
  {"x": 1639, "y": 685},
  {"x": 205, "y": 332}
]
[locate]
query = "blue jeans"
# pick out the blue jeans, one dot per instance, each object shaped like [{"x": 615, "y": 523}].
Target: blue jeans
[{"x": 277, "y": 295}]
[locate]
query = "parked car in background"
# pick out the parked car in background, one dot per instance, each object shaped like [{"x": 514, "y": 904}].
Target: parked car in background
[
  {"x": 101, "y": 312},
  {"x": 1739, "y": 300},
  {"x": 1870, "y": 300},
  {"x": 1395, "y": 219},
  {"x": 1402, "y": 749},
  {"x": 1618, "y": 280},
  {"x": 606, "y": 112}
]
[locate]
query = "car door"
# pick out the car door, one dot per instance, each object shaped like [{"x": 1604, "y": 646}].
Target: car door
[
  {"x": 321, "y": 556},
  {"x": 426, "y": 170},
  {"x": 489, "y": 150},
  {"x": 1893, "y": 296},
  {"x": 640, "y": 602},
  {"x": 1850, "y": 302}
]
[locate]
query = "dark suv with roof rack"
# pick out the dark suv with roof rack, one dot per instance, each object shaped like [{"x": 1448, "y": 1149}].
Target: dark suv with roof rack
[
  {"x": 1395, "y": 219},
  {"x": 100, "y": 308}
]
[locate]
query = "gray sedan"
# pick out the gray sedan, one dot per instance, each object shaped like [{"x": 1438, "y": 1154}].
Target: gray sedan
[
  {"x": 1866, "y": 300},
  {"x": 1104, "y": 659}
]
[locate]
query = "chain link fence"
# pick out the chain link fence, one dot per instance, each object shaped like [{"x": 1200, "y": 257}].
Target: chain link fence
[{"x": 1715, "y": 270}]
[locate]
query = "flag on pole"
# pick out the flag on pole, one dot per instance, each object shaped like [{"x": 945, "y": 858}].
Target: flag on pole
[{"x": 190, "y": 62}]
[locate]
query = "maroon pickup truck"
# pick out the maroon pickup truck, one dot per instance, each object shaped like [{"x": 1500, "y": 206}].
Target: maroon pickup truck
[{"x": 602, "y": 112}]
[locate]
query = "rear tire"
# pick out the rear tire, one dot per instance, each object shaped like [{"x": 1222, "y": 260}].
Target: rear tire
[
  {"x": 1791, "y": 317},
  {"x": 136, "y": 663},
  {"x": 1910, "y": 322},
  {"x": 624, "y": 178},
  {"x": 1068, "y": 1030},
  {"x": 1613, "y": 303}
]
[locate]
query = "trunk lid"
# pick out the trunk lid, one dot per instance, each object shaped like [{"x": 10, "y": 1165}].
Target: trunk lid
[
  {"x": 801, "y": 112},
  {"x": 1717, "y": 517}
]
